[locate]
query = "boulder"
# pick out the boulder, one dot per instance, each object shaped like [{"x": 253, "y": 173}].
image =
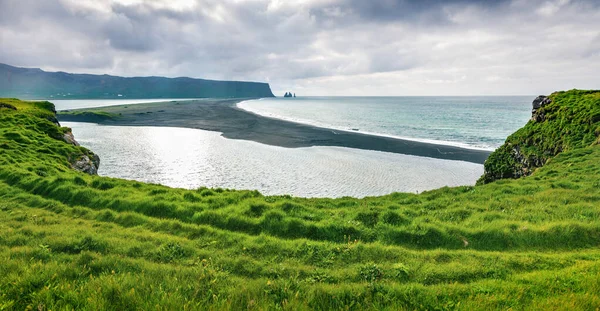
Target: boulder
[{"x": 87, "y": 164}]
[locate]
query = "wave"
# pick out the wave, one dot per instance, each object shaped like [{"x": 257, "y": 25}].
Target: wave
[{"x": 243, "y": 105}]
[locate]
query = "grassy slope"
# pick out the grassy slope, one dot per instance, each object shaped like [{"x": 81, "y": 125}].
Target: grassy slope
[
  {"x": 73, "y": 241},
  {"x": 572, "y": 121}
]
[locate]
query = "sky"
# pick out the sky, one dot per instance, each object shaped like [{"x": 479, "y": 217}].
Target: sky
[{"x": 317, "y": 47}]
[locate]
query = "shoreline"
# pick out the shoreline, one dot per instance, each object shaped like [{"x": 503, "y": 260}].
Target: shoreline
[
  {"x": 420, "y": 140},
  {"x": 223, "y": 115}
]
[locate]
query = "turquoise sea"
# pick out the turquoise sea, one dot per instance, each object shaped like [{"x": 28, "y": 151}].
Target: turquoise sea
[{"x": 481, "y": 122}]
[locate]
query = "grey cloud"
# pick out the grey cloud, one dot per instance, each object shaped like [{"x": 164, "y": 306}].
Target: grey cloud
[
  {"x": 146, "y": 13},
  {"x": 142, "y": 27},
  {"x": 300, "y": 43},
  {"x": 593, "y": 48},
  {"x": 417, "y": 12},
  {"x": 385, "y": 61},
  {"x": 125, "y": 34}
]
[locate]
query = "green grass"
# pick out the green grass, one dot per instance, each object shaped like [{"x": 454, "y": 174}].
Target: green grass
[
  {"x": 73, "y": 241},
  {"x": 572, "y": 120},
  {"x": 88, "y": 116}
]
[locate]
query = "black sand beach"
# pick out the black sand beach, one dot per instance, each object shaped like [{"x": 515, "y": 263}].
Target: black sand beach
[{"x": 223, "y": 116}]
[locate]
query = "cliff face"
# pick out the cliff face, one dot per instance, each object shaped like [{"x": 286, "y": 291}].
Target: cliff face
[
  {"x": 27, "y": 125},
  {"x": 36, "y": 83},
  {"x": 559, "y": 122},
  {"x": 87, "y": 162}
]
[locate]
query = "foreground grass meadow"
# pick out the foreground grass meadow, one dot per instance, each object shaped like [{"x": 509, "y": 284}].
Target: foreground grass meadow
[{"x": 71, "y": 241}]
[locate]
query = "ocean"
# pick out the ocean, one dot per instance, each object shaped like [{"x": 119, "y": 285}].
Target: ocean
[
  {"x": 479, "y": 122},
  {"x": 192, "y": 158}
]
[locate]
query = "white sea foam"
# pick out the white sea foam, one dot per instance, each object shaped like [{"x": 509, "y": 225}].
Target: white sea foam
[{"x": 246, "y": 106}]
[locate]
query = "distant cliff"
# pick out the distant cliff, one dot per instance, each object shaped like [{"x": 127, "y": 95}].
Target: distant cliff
[
  {"x": 560, "y": 122},
  {"x": 36, "y": 83}
]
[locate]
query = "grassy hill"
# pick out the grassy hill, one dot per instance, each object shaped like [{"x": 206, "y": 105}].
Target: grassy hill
[
  {"x": 69, "y": 240},
  {"x": 566, "y": 121},
  {"x": 36, "y": 83}
]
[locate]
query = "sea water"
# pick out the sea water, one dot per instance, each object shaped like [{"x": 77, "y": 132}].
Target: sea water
[
  {"x": 191, "y": 158},
  {"x": 479, "y": 122},
  {"x": 67, "y": 104}
]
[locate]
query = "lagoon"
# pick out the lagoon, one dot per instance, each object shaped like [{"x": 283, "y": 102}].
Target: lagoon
[{"x": 192, "y": 158}]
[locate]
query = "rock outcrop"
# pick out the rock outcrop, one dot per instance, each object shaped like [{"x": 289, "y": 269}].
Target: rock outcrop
[
  {"x": 70, "y": 139},
  {"x": 559, "y": 122},
  {"x": 7, "y": 106},
  {"x": 537, "y": 113},
  {"x": 87, "y": 163},
  {"x": 510, "y": 160},
  {"x": 52, "y": 118}
]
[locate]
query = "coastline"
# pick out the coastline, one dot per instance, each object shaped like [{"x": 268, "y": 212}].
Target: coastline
[
  {"x": 308, "y": 123},
  {"x": 223, "y": 115}
]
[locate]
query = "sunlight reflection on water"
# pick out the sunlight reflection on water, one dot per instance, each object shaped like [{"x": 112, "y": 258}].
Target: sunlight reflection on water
[{"x": 190, "y": 158}]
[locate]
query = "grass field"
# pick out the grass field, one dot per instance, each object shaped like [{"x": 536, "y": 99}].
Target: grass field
[{"x": 69, "y": 240}]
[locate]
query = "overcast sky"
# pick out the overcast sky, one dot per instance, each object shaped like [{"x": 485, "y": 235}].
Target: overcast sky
[{"x": 318, "y": 47}]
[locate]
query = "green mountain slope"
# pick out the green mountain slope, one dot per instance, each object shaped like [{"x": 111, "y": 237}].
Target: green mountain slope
[
  {"x": 70, "y": 240},
  {"x": 35, "y": 83}
]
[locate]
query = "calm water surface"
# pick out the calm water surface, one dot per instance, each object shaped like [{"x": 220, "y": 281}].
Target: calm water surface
[
  {"x": 190, "y": 158},
  {"x": 66, "y": 104}
]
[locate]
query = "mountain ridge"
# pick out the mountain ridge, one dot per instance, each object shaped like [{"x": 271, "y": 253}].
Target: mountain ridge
[{"x": 35, "y": 83}]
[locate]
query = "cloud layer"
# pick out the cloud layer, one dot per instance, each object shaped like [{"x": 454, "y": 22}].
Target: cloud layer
[{"x": 318, "y": 47}]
